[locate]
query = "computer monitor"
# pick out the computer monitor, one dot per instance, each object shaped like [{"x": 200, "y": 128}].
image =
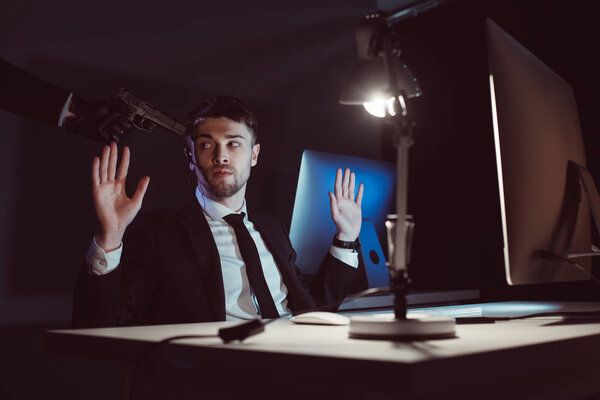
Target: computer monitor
[
  {"x": 537, "y": 133},
  {"x": 312, "y": 229}
]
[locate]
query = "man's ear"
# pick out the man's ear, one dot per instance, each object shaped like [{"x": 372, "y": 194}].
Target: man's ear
[
  {"x": 189, "y": 157},
  {"x": 255, "y": 151}
]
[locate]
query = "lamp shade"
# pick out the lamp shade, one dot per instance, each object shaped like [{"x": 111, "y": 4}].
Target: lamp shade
[{"x": 369, "y": 80}]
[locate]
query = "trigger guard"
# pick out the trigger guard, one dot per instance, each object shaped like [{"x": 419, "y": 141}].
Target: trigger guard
[{"x": 138, "y": 121}]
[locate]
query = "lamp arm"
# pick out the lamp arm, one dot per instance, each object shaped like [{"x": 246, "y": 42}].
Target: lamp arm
[{"x": 399, "y": 277}]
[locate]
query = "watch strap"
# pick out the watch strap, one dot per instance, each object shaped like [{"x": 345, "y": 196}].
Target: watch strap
[{"x": 346, "y": 245}]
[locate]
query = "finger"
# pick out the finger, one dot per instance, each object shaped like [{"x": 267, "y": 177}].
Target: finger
[
  {"x": 351, "y": 189},
  {"x": 121, "y": 106},
  {"x": 96, "y": 171},
  {"x": 123, "y": 123},
  {"x": 346, "y": 182},
  {"x": 124, "y": 166},
  {"x": 140, "y": 191},
  {"x": 150, "y": 125},
  {"x": 333, "y": 205},
  {"x": 112, "y": 160},
  {"x": 104, "y": 164},
  {"x": 338, "y": 182},
  {"x": 121, "y": 129},
  {"x": 359, "y": 196},
  {"x": 147, "y": 125}
]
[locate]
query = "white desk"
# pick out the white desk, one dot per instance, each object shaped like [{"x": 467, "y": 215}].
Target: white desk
[{"x": 534, "y": 358}]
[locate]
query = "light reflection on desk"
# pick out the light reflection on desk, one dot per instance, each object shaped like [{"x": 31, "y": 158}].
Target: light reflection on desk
[{"x": 505, "y": 309}]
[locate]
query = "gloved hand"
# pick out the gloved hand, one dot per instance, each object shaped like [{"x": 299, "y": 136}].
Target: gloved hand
[{"x": 106, "y": 120}]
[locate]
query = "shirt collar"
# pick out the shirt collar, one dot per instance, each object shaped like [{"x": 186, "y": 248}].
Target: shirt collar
[{"x": 214, "y": 210}]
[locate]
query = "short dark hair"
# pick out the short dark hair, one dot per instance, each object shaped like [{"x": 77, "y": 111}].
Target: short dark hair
[{"x": 223, "y": 106}]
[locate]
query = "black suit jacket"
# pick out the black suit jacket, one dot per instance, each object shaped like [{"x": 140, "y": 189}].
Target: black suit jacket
[
  {"x": 26, "y": 95},
  {"x": 170, "y": 272}
]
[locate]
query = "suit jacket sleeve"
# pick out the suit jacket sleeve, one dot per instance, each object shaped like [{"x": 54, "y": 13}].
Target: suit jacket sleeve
[
  {"x": 333, "y": 281},
  {"x": 24, "y": 94},
  {"x": 121, "y": 297},
  {"x": 169, "y": 274}
]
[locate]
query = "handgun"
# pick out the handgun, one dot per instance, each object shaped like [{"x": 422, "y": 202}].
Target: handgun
[{"x": 145, "y": 116}]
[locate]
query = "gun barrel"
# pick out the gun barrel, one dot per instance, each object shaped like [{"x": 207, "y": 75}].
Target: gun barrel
[{"x": 148, "y": 111}]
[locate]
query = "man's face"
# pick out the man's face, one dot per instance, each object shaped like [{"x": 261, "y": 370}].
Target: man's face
[{"x": 224, "y": 151}]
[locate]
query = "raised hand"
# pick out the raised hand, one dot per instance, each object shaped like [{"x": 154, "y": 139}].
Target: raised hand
[
  {"x": 114, "y": 209},
  {"x": 345, "y": 209}
]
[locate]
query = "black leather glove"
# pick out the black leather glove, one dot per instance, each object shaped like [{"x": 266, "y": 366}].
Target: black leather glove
[{"x": 106, "y": 121}]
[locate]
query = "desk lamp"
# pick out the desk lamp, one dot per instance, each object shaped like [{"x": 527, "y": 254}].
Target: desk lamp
[{"x": 382, "y": 84}]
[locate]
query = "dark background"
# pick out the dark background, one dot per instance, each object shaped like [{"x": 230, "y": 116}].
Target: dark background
[{"x": 287, "y": 60}]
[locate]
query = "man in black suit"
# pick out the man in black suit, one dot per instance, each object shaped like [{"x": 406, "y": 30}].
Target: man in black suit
[{"x": 211, "y": 260}]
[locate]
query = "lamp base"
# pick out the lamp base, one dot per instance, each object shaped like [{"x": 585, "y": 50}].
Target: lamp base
[{"x": 412, "y": 328}]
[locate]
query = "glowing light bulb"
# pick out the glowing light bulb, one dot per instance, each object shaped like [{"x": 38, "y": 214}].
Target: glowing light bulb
[{"x": 378, "y": 107}]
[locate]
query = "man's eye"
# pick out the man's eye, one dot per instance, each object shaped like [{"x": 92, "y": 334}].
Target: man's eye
[
  {"x": 234, "y": 144},
  {"x": 205, "y": 145}
]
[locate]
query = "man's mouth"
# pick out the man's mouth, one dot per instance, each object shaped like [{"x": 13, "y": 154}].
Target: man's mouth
[{"x": 221, "y": 173}]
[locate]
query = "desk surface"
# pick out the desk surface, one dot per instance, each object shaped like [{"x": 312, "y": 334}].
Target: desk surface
[{"x": 553, "y": 355}]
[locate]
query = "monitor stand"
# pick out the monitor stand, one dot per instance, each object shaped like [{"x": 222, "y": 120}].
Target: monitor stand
[{"x": 591, "y": 192}]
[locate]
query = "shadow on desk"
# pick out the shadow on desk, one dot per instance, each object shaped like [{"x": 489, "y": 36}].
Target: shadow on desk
[{"x": 28, "y": 372}]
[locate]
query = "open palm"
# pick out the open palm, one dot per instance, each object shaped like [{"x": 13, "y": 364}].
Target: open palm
[
  {"x": 346, "y": 210},
  {"x": 114, "y": 209}
]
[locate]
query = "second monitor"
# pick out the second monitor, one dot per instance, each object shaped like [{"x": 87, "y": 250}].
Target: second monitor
[
  {"x": 538, "y": 142},
  {"x": 312, "y": 230}
]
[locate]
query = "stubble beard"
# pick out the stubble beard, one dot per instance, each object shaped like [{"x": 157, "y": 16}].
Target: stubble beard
[{"x": 218, "y": 187}]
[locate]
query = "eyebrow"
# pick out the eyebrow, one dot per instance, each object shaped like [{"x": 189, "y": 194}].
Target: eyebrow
[{"x": 209, "y": 136}]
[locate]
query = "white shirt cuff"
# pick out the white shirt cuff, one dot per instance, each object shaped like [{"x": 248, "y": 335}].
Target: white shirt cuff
[
  {"x": 65, "y": 110},
  {"x": 100, "y": 262},
  {"x": 348, "y": 256}
]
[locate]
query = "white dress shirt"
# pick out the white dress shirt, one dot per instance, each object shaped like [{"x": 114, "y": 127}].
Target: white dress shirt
[{"x": 240, "y": 302}]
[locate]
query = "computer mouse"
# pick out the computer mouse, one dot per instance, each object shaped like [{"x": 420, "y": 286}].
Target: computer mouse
[{"x": 320, "y": 318}]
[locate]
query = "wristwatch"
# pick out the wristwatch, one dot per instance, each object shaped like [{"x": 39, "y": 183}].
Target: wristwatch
[{"x": 346, "y": 245}]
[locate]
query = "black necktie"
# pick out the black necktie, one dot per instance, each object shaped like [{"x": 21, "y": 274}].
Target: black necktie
[{"x": 253, "y": 266}]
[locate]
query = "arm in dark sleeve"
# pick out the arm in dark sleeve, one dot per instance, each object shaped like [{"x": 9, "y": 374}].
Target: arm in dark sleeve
[
  {"x": 26, "y": 95},
  {"x": 335, "y": 280},
  {"x": 121, "y": 297}
]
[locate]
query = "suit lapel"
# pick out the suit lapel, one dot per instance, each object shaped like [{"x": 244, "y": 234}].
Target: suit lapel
[
  {"x": 278, "y": 244},
  {"x": 207, "y": 258}
]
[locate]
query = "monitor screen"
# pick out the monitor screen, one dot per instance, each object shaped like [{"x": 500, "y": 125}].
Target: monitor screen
[
  {"x": 536, "y": 133},
  {"x": 312, "y": 228}
]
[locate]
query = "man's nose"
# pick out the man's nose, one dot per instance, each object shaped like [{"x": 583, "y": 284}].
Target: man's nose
[{"x": 221, "y": 155}]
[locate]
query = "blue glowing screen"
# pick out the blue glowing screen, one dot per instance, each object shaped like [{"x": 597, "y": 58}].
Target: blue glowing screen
[{"x": 312, "y": 228}]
